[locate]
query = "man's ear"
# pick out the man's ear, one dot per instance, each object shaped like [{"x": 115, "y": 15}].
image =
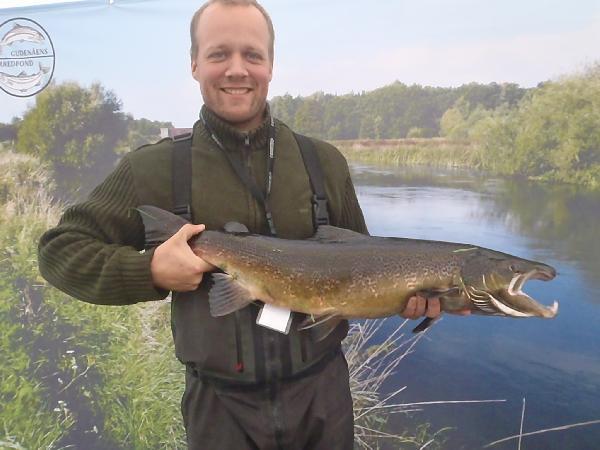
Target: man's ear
[{"x": 194, "y": 67}]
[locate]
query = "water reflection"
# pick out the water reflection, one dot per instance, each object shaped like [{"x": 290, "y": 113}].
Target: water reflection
[
  {"x": 560, "y": 221},
  {"x": 553, "y": 363}
]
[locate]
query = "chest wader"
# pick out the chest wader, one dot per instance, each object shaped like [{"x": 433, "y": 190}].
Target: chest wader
[{"x": 253, "y": 355}]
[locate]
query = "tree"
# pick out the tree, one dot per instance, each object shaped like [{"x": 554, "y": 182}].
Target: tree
[
  {"x": 140, "y": 132},
  {"x": 76, "y": 131},
  {"x": 309, "y": 118},
  {"x": 8, "y": 132}
]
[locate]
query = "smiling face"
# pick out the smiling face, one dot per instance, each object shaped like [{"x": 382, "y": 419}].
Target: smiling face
[{"x": 233, "y": 66}]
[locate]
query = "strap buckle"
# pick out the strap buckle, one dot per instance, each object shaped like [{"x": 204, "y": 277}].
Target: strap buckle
[
  {"x": 320, "y": 210},
  {"x": 181, "y": 137},
  {"x": 183, "y": 211}
]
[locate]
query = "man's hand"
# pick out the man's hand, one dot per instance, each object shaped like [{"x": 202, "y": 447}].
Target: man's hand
[
  {"x": 418, "y": 306},
  {"x": 174, "y": 265}
]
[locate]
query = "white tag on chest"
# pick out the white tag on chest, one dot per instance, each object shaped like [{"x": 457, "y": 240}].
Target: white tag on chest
[{"x": 275, "y": 318}]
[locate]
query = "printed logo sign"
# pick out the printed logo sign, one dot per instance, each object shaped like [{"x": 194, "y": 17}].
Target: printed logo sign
[{"x": 26, "y": 57}]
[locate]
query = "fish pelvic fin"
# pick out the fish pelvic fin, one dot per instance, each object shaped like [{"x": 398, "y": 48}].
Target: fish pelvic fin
[
  {"x": 227, "y": 295},
  {"x": 159, "y": 224},
  {"x": 425, "y": 323}
]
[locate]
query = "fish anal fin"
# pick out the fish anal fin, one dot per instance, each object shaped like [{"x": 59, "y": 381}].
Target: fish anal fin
[
  {"x": 227, "y": 295},
  {"x": 326, "y": 328},
  {"x": 320, "y": 326},
  {"x": 312, "y": 321}
]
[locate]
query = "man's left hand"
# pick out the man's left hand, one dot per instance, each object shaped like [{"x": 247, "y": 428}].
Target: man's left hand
[{"x": 418, "y": 306}]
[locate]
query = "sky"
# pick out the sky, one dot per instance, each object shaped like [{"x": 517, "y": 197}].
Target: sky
[{"x": 140, "y": 48}]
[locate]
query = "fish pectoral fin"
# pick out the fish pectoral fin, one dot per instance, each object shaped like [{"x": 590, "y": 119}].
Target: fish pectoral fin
[
  {"x": 425, "y": 323},
  {"x": 227, "y": 295}
]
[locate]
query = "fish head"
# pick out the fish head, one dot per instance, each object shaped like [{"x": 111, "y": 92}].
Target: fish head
[{"x": 494, "y": 282}]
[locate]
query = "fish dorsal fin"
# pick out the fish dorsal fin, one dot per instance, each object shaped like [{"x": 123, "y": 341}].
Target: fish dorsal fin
[
  {"x": 227, "y": 295},
  {"x": 236, "y": 228},
  {"x": 159, "y": 225},
  {"x": 328, "y": 233}
]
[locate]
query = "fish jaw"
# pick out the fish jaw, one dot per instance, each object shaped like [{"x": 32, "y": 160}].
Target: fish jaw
[{"x": 512, "y": 301}]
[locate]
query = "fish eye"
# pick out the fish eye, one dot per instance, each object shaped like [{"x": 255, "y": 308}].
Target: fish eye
[{"x": 512, "y": 268}]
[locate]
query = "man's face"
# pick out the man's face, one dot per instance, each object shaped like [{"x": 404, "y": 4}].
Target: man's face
[{"x": 233, "y": 66}]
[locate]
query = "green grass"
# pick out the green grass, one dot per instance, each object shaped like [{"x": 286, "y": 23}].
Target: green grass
[{"x": 435, "y": 152}]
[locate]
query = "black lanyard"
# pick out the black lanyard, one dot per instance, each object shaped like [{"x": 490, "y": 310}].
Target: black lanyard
[{"x": 243, "y": 174}]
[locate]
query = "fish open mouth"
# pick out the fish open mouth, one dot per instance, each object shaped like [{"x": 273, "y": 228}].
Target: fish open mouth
[
  {"x": 511, "y": 300},
  {"x": 516, "y": 303}
]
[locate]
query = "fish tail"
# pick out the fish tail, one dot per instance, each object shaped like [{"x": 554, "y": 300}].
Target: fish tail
[{"x": 159, "y": 225}]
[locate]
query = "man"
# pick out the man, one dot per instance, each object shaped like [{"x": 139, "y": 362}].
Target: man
[{"x": 246, "y": 386}]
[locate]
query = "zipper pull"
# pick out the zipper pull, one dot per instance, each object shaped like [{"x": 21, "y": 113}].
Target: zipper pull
[{"x": 246, "y": 150}]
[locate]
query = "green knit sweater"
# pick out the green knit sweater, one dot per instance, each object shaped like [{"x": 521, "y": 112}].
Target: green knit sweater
[{"x": 94, "y": 253}]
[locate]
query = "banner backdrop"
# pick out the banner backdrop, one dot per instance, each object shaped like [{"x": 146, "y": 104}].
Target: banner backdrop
[{"x": 82, "y": 82}]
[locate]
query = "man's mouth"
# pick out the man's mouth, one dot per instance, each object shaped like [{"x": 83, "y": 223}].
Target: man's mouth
[{"x": 236, "y": 91}]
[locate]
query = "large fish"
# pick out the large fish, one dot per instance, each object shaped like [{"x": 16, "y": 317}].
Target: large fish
[{"x": 339, "y": 273}]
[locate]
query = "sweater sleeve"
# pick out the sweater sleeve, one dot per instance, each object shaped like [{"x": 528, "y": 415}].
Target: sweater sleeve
[
  {"x": 93, "y": 254},
  {"x": 352, "y": 217}
]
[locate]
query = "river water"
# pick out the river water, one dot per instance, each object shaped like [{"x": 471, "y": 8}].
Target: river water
[{"x": 553, "y": 364}]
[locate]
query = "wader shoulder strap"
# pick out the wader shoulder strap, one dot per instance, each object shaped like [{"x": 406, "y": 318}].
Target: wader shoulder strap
[
  {"x": 182, "y": 175},
  {"x": 317, "y": 180}
]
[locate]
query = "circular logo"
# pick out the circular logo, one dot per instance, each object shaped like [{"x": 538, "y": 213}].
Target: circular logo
[{"x": 26, "y": 57}]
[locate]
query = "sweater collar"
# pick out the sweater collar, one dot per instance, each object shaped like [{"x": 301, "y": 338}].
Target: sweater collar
[{"x": 232, "y": 138}]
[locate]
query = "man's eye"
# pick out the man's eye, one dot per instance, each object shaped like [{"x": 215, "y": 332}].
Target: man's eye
[
  {"x": 253, "y": 56},
  {"x": 216, "y": 55}
]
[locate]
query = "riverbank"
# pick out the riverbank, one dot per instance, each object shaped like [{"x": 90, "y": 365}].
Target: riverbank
[
  {"x": 453, "y": 153},
  {"x": 435, "y": 152}
]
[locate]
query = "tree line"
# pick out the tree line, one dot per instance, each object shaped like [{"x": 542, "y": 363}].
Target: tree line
[
  {"x": 394, "y": 111},
  {"x": 552, "y": 134}
]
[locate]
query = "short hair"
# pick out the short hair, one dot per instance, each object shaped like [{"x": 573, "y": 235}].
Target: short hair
[{"x": 198, "y": 13}]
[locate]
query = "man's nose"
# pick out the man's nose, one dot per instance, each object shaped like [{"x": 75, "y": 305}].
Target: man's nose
[{"x": 237, "y": 66}]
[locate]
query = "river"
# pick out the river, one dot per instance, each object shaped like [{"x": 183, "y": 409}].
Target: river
[{"x": 553, "y": 364}]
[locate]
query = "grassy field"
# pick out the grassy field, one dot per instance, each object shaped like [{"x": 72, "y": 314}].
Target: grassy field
[{"x": 436, "y": 152}]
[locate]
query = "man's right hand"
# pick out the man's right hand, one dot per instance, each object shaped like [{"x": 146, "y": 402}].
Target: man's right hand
[{"x": 174, "y": 265}]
